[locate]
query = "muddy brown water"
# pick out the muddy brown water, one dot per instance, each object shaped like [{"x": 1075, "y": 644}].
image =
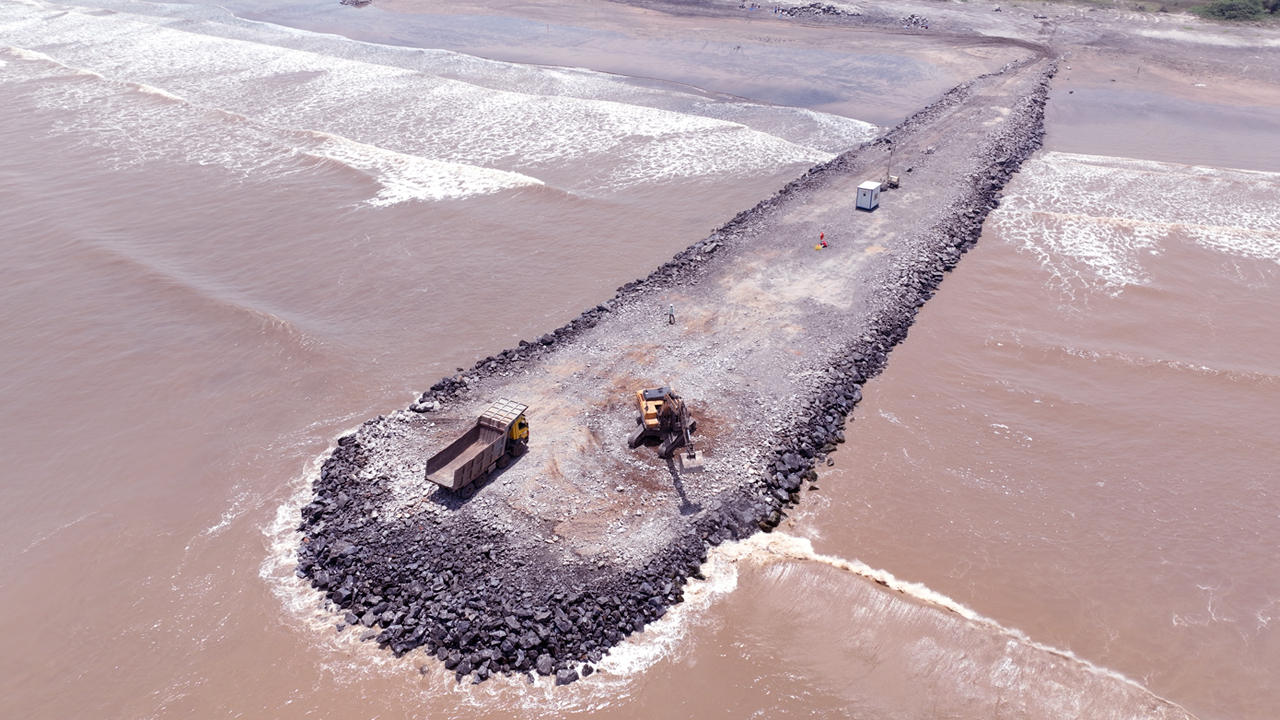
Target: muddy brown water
[{"x": 1064, "y": 484}]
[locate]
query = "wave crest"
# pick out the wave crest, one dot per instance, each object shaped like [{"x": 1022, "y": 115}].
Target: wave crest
[
  {"x": 409, "y": 177},
  {"x": 1093, "y": 220}
]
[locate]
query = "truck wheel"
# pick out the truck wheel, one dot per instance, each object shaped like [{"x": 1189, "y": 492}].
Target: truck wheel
[
  {"x": 518, "y": 449},
  {"x": 504, "y": 461}
]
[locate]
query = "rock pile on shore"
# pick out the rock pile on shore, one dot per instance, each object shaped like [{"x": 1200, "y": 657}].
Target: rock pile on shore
[{"x": 813, "y": 9}]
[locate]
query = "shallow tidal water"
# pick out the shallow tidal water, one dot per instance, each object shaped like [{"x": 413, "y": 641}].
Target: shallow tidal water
[{"x": 227, "y": 242}]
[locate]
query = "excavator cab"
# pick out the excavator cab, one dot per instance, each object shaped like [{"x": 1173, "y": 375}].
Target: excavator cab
[{"x": 650, "y": 402}]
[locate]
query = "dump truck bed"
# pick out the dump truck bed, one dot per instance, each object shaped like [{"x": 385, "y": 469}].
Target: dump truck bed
[
  {"x": 471, "y": 455},
  {"x": 470, "y": 449}
]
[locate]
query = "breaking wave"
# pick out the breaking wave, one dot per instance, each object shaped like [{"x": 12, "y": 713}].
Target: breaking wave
[
  {"x": 427, "y": 125},
  {"x": 408, "y": 177},
  {"x": 138, "y": 131},
  {"x": 1093, "y": 221}
]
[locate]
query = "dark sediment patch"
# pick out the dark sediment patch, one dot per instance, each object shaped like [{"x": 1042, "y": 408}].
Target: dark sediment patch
[{"x": 481, "y": 579}]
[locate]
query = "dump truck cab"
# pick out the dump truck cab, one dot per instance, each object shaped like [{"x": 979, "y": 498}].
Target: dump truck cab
[{"x": 520, "y": 430}]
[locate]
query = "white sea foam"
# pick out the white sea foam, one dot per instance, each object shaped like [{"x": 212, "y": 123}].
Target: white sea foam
[
  {"x": 148, "y": 90},
  {"x": 584, "y": 132},
  {"x": 241, "y": 504},
  {"x": 779, "y": 547},
  {"x": 24, "y": 54},
  {"x": 821, "y": 131},
  {"x": 407, "y": 177},
  {"x": 138, "y": 132},
  {"x": 45, "y": 536},
  {"x": 1093, "y": 221}
]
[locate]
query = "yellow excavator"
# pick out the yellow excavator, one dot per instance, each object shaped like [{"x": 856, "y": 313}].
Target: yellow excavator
[{"x": 665, "y": 421}]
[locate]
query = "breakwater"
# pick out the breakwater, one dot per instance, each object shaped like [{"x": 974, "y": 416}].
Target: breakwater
[{"x": 583, "y": 542}]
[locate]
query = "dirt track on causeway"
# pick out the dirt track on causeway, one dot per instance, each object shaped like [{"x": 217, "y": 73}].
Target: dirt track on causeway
[{"x": 583, "y": 541}]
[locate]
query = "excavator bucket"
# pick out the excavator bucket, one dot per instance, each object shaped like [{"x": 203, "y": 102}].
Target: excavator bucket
[{"x": 690, "y": 462}]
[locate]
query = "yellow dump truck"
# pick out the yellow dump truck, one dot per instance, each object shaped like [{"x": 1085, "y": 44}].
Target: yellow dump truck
[{"x": 500, "y": 434}]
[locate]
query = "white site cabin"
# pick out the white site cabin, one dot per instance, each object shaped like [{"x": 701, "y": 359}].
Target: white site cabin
[{"x": 869, "y": 195}]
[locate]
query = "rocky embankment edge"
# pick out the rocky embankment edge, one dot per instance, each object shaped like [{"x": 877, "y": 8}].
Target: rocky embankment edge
[{"x": 482, "y": 603}]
